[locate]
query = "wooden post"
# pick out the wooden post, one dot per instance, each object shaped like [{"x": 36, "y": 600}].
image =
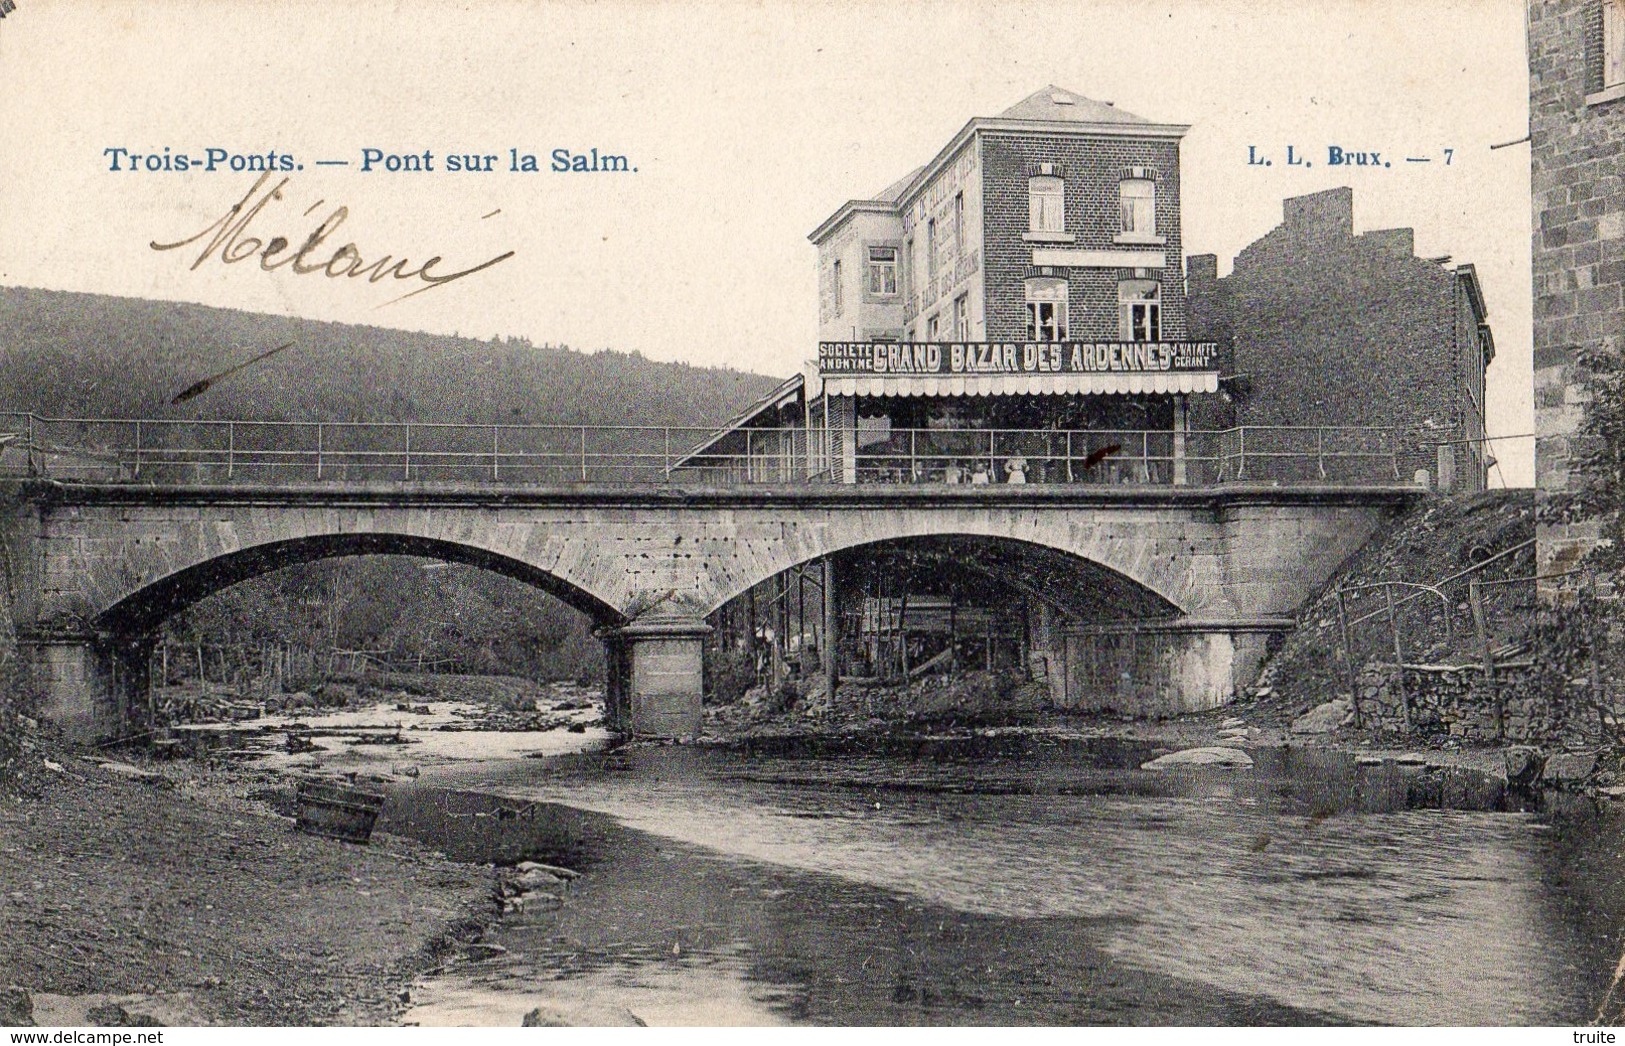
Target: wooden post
[
  {"x": 1399, "y": 657},
  {"x": 1348, "y": 660},
  {"x": 781, "y": 622},
  {"x": 1475, "y": 597},
  {"x": 902, "y": 634},
  {"x": 1599, "y": 696},
  {"x": 831, "y": 626},
  {"x": 1181, "y": 475}
]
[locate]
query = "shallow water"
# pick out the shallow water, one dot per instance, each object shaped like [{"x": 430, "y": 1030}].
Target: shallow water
[{"x": 1013, "y": 881}]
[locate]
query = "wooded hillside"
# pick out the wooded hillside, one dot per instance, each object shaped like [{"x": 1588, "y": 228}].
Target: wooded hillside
[{"x": 65, "y": 354}]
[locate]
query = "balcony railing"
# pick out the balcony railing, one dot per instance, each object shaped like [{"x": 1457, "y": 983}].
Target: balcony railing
[{"x": 153, "y": 451}]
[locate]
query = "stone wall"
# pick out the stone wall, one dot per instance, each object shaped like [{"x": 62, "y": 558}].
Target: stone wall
[
  {"x": 1453, "y": 700},
  {"x": 1577, "y": 132},
  {"x": 113, "y": 561}
]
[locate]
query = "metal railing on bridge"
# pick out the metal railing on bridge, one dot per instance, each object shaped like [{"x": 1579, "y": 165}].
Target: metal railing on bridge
[{"x": 158, "y": 452}]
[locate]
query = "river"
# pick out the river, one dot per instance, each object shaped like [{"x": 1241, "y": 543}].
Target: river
[{"x": 1014, "y": 880}]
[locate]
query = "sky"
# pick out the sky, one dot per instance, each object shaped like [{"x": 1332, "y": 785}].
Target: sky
[{"x": 747, "y": 123}]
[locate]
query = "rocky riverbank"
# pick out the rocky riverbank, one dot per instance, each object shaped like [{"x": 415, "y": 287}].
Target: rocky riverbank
[
  {"x": 1255, "y": 722},
  {"x": 160, "y": 895}
]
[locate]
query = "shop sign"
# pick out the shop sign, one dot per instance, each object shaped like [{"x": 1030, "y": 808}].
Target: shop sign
[{"x": 990, "y": 357}]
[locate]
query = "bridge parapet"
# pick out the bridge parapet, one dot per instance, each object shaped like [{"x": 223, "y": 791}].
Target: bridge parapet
[{"x": 249, "y": 453}]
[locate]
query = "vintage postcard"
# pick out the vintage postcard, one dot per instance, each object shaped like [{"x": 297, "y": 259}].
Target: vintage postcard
[{"x": 543, "y": 514}]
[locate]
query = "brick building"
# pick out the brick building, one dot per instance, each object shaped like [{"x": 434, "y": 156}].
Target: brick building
[
  {"x": 1057, "y": 219},
  {"x": 1322, "y": 326},
  {"x": 1577, "y": 139},
  {"x": 1030, "y": 278},
  {"x": 1016, "y": 311}
]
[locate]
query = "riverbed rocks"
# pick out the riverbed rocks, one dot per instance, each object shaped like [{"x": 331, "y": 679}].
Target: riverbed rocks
[
  {"x": 1523, "y": 765},
  {"x": 534, "y": 886},
  {"x": 589, "y": 1015},
  {"x": 1569, "y": 769},
  {"x": 544, "y": 1017},
  {"x": 1324, "y": 718},
  {"x": 1208, "y": 756},
  {"x": 16, "y": 1007}
]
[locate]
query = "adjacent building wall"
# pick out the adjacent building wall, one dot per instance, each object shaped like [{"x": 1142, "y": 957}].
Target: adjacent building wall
[
  {"x": 959, "y": 262},
  {"x": 1577, "y": 139},
  {"x": 851, "y": 312},
  {"x": 1326, "y": 327}
]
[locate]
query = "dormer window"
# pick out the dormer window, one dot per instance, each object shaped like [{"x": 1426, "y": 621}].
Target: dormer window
[{"x": 1046, "y": 204}]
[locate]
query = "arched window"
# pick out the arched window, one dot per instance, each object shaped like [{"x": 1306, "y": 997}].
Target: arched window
[
  {"x": 1046, "y": 309},
  {"x": 1139, "y": 310}
]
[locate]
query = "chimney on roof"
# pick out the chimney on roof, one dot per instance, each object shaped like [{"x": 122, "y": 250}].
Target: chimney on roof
[
  {"x": 1202, "y": 271},
  {"x": 1326, "y": 213}
]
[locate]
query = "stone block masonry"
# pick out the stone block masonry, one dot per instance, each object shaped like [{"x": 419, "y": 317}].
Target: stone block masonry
[
  {"x": 648, "y": 565},
  {"x": 1577, "y": 182},
  {"x": 1455, "y": 700}
]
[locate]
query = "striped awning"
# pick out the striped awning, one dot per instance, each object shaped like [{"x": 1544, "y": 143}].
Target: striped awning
[{"x": 1089, "y": 384}]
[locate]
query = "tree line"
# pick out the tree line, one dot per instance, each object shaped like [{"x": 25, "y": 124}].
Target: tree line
[{"x": 65, "y": 354}]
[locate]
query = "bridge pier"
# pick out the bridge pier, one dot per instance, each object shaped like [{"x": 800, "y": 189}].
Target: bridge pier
[
  {"x": 88, "y": 684},
  {"x": 655, "y": 683}
]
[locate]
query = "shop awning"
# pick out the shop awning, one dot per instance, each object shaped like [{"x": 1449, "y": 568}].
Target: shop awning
[{"x": 1096, "y": 384}]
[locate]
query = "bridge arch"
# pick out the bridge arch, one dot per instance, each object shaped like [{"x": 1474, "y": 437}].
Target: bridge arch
[
  {"x": 1066, "y": 572},
  {"x": 151, "y": 600}
]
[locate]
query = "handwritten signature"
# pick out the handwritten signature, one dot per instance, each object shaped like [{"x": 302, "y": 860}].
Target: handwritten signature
[{"x": 229, "y": 243}]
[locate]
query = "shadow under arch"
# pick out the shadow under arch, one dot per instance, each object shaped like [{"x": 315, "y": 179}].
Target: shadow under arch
[
  {"x": 1079, "y": 587},
  {"x": 141, "y": 611}
]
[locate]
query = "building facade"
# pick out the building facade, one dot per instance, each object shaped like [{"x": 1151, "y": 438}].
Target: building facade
[
  {"x": 1577, "y": 138},
  {"x": 1322, "y": 326},
  {"x": 1016, "y": 311},
  {"x": 1056, "y": 220},
  {"x": 1013, "y": 311},
  {"x": 1030, "y": 279}
]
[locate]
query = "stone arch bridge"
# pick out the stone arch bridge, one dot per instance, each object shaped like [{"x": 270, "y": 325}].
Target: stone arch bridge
[{"x": 92, "y": 568}]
